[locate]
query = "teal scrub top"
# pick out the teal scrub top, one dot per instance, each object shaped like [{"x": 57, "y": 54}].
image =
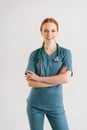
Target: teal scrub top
[{"x": 49, "y": 98}]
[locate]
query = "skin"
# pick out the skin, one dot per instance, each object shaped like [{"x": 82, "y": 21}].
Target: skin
[{"x": 49, "y": 33}]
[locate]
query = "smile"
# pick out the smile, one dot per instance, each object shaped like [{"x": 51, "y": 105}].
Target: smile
[{"x": 49, "y": 38}]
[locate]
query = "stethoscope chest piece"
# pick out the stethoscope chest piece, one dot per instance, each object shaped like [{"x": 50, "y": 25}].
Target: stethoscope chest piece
[
  {"x": 56, "y": 59},
  {"x": 39, "y": 53}
]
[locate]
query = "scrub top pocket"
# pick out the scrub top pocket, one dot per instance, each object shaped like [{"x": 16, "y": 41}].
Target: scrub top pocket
[{"x": 55, "y": 66}]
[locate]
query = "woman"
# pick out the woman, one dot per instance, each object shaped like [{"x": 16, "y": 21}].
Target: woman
[{"x": 48, "y": 68}]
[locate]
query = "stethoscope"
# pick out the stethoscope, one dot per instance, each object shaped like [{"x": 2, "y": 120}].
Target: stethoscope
[{"x": 56, "y": 59}]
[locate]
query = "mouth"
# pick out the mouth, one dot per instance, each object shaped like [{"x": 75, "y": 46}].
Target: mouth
[{"x": 50, "y": 38}]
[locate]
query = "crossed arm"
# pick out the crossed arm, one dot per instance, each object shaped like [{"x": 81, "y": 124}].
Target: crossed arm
[{"x": 34, "y": 80}]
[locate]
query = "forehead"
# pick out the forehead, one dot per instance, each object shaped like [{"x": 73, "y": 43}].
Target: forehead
[{"x": 49, "y": 25}]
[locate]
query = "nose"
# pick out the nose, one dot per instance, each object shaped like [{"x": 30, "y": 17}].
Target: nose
[{"x": 49, "y": 33}]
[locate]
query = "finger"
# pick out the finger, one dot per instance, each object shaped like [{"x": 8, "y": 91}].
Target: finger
[
  {"x": 64, "y": 68},
  {"x": 27, "y": 76},
  {"x": 28, "y": 79},
  {"x": 30, "y": 72}
]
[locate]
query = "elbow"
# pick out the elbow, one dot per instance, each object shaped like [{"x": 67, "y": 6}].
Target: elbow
[
  {"x": 67, "y": 77},
  {"x": 29, "y": 83}
]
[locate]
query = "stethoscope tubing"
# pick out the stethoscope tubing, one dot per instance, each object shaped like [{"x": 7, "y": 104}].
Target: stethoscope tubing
[{"x": 56, "y": 59}]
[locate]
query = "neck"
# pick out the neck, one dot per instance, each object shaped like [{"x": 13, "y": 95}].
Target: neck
[{"x": 49, "y": 46}]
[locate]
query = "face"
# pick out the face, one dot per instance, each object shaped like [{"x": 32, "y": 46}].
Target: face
[{"x": 49, "y": 32}]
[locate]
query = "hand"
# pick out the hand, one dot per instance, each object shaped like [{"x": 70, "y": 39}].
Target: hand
[
  {"x": 32, "y": 76},
  {"x": 63, "y": 70}
]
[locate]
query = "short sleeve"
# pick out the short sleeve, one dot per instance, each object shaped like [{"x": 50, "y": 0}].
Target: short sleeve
[
  {"x": 67, "y": 60},
  {"x": 31, "y": 64}
]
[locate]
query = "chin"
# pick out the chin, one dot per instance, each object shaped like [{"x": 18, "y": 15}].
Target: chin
[{"x": 51, "y": 41}]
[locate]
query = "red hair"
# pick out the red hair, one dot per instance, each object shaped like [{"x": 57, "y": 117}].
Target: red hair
[{"x": 52, "y": 20}]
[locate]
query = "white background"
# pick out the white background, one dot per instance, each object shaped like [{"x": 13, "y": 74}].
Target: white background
[{"x": 19, "y": 34}]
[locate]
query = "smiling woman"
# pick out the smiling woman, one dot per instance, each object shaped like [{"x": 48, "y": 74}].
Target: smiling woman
[
  {"x": 48, "y": 68},
  {"x": 49, "y": 30}
]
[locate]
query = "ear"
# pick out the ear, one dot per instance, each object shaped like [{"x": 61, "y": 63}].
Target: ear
[
  {"x": 57, "y": 32},
  {"x": 42, "y": 33}
]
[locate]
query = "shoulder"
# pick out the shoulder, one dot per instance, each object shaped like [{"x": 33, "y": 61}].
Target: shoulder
[
  {"x": 34, "y": 54},
  {"x": 64, "y": 51}
]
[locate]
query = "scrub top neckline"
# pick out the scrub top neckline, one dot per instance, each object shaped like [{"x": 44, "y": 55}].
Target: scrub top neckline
[{"x": 50, "y": 54}]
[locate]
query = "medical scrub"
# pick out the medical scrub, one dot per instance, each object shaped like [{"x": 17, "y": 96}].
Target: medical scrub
[{"x": 49, "y": 100}]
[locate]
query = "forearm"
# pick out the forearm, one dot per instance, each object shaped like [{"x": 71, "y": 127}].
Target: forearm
[
  {"x": 32, "y": 83},
  {"x": 58, "y": 79},
  {"x": 37, "y": 81}
]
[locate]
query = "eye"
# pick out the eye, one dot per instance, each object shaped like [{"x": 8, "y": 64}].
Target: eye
[
  {"x": 45, "y": 30},
  {"x": 53, "y": 30}
]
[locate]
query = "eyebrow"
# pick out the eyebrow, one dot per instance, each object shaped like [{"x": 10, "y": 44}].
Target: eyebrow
[{"x": 51, "y": 30}]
